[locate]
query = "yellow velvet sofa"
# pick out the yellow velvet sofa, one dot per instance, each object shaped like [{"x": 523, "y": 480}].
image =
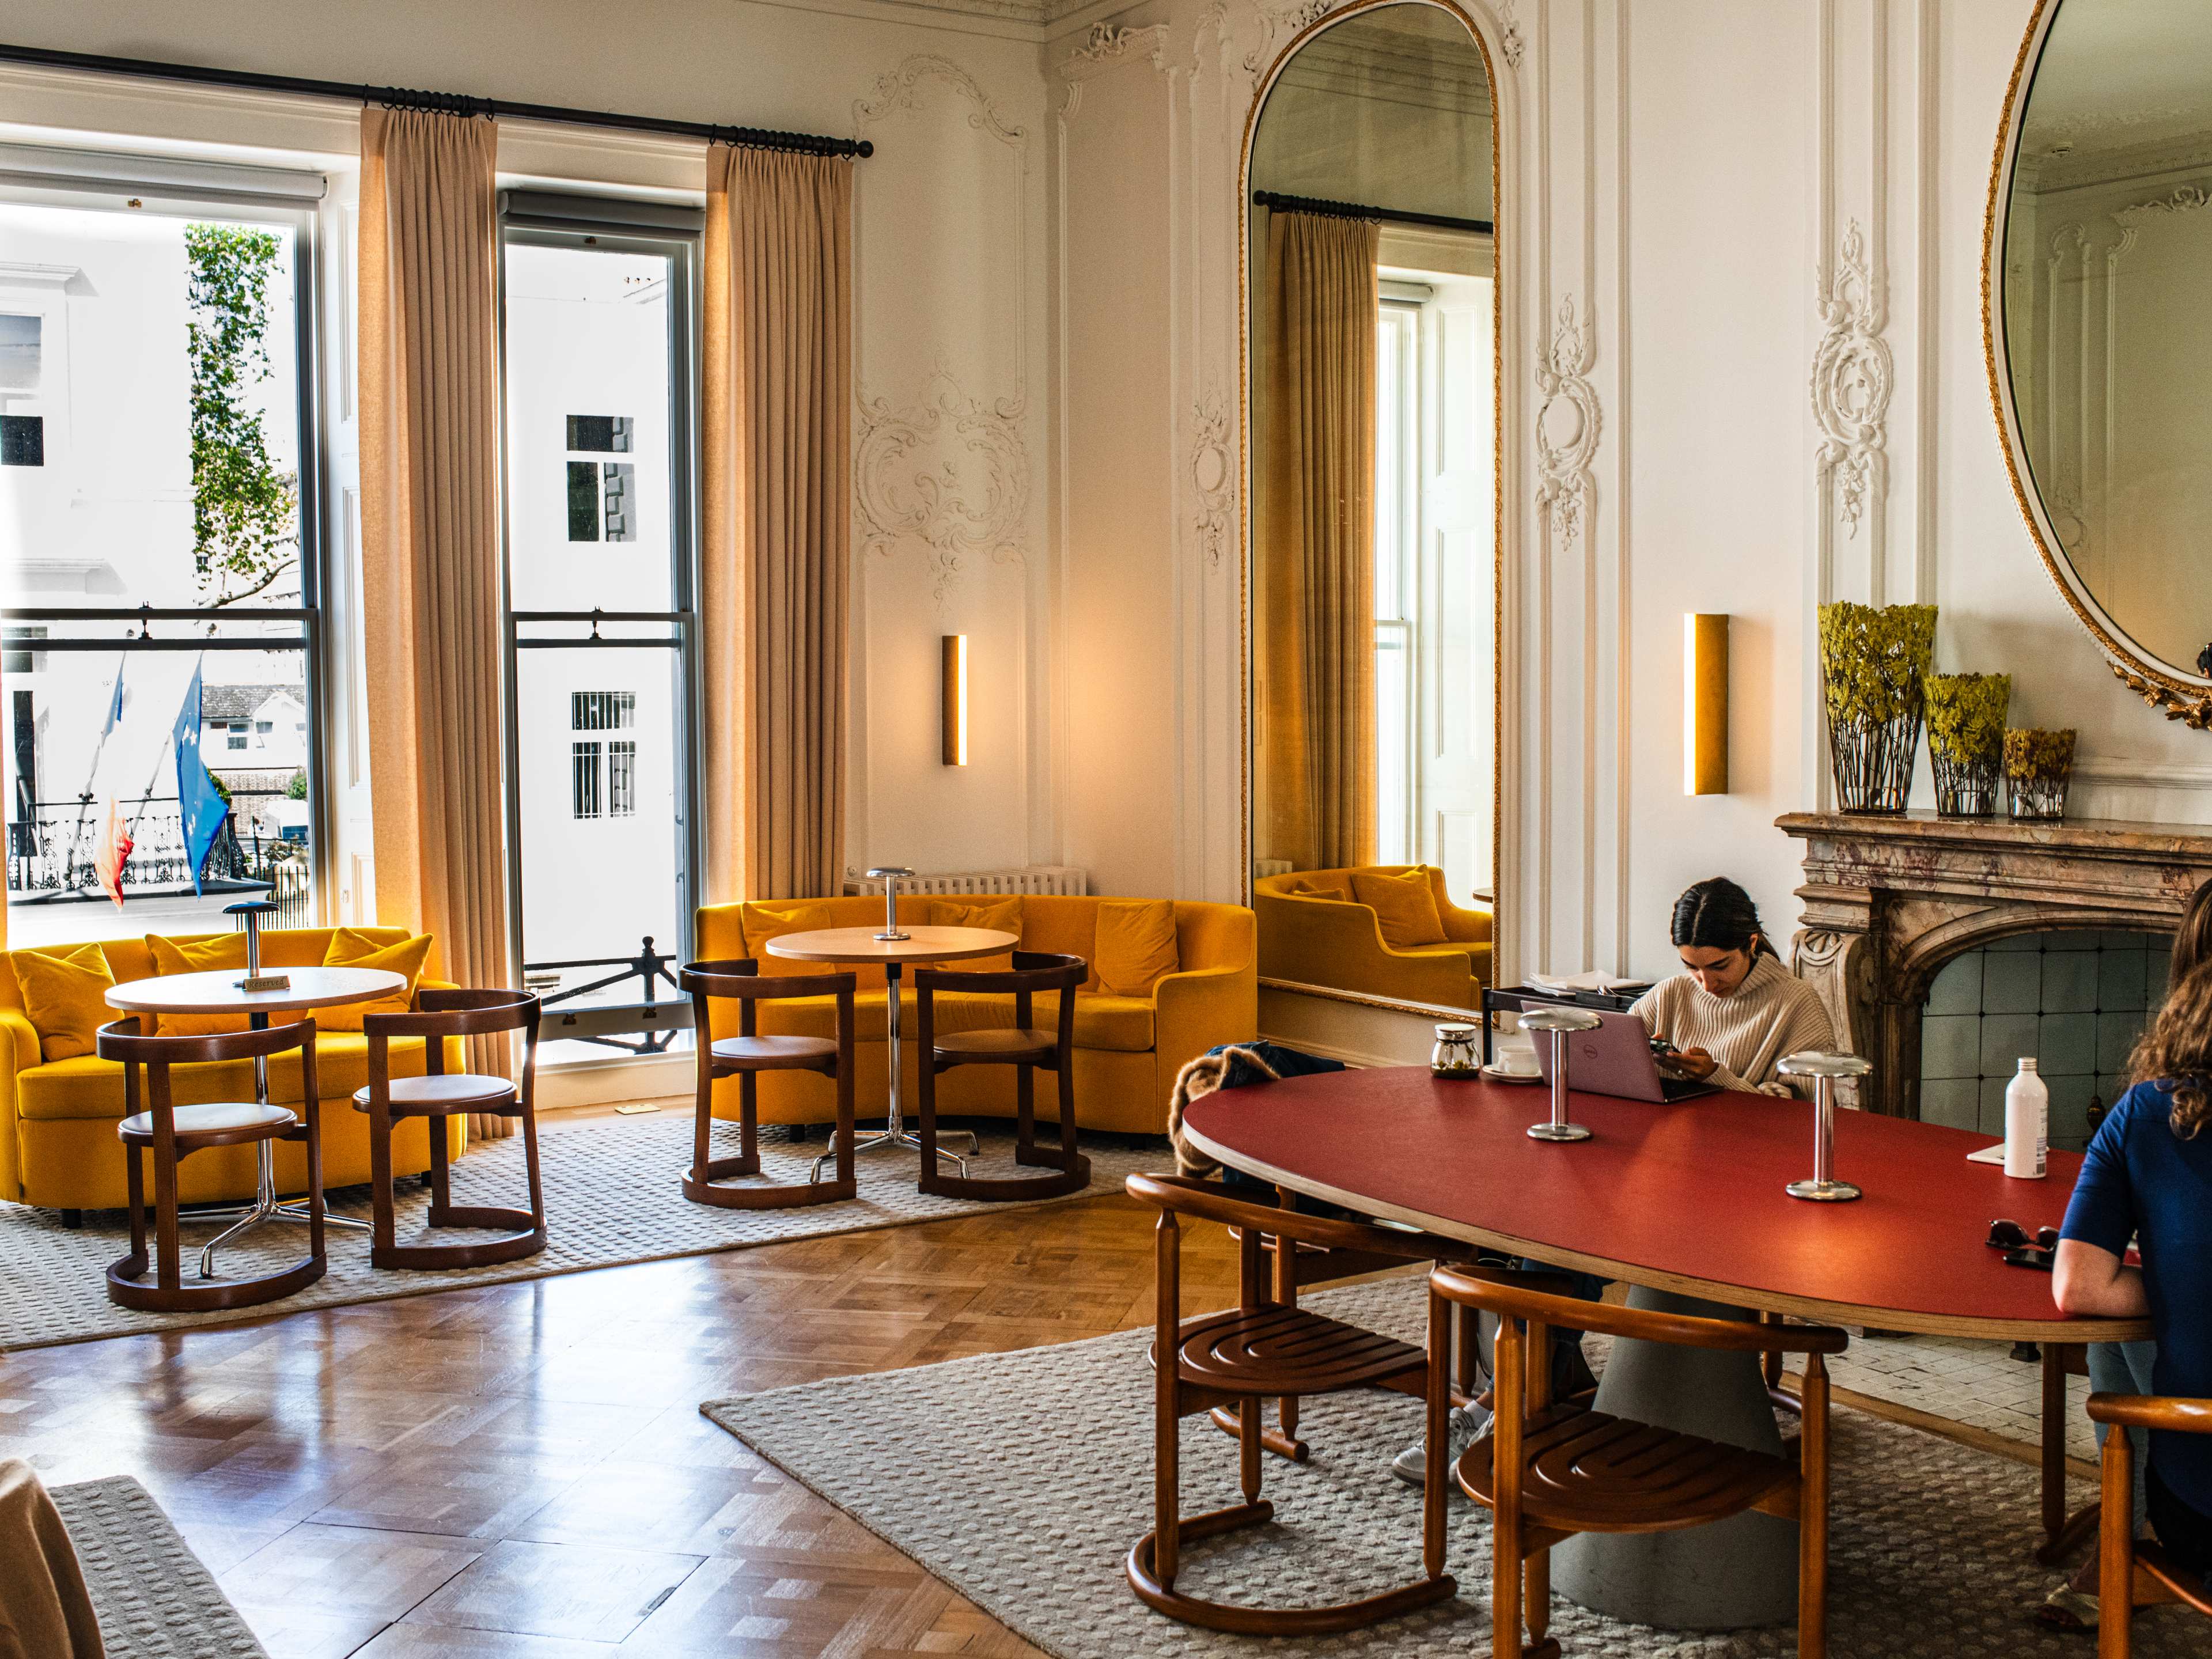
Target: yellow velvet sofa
[
  {"x": 58, "y": 1145},
  {"x": 1127, "y": 1050},
  {"x": 1327, "y": 941}
]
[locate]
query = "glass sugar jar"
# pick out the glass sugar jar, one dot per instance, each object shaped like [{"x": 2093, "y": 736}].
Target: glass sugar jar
[{"x": 1457, "y": 1054}]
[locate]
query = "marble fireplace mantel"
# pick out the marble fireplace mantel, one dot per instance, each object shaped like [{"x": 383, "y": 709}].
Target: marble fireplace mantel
[{"x": 1888, "y": 901}]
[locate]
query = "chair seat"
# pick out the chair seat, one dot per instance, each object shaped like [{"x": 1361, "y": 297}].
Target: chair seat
[
  {"x": 447, "y": 1093},
  {"x": 1591, "y": 1472},
  {"x": 1001, "y": 1044},
  {"x": 1277, "y": 1349},
  {"x": 775, "y": 1052},
  {"x": 212, "y": 1117}
]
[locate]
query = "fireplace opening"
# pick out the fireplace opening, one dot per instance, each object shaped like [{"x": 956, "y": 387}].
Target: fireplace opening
[{"x": 2075, "y": 1000}]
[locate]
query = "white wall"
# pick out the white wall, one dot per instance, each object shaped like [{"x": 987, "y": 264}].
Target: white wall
[{"x": 1683, "y": 184}]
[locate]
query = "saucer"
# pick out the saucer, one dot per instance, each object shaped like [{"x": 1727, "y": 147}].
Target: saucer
[{"x": 1505, "y": 1074}]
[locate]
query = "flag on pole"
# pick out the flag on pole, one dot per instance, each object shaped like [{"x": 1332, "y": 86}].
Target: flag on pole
[
  {"x": 199, "y": 806},
  {"x": 115, "y": 703},
  {"x": 115, "y": 845}
]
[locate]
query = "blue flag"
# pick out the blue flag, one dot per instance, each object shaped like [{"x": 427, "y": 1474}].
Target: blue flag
[
  {"x": 200, "y": 809},
  {"x": 115, "y": 706}
]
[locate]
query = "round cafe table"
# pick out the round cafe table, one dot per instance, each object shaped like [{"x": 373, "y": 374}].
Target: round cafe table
[
  {"x": 860, "y": 945},
  {"x": 218, "y": 992},
  {"x": 1683, "y": 1202}
]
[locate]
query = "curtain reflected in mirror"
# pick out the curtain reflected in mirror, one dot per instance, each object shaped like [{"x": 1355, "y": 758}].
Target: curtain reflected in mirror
[
  {"x": 1371, "y": 310},
  {"x": 2107, "y": 255}
]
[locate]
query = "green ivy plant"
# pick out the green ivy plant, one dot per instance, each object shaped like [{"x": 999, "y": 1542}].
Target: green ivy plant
[
  {"x": 1966, "y": 715},
  {"x": 245, "y": 513}
]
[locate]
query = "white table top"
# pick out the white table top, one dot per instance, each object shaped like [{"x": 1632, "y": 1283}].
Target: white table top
[
  {"x": 922, "y": 945},
  {"x": 215, "y": 991}
]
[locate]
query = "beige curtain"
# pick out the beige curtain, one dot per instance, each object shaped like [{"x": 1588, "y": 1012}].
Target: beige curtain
[
  {"x": 778, "y": 408},
  {"x": 429, "y": 521},
  {"x": 1316, "y": 538}
]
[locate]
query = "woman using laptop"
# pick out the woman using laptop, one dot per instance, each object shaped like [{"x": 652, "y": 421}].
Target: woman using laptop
[{"x": 1734, "y": 1010}]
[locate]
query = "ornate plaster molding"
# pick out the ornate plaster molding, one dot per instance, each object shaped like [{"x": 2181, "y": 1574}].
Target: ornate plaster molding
[
  {"x": 2189, "y": 199},
  {"x": 949, "y": 470},
  {"x": 1567, "y": 421},
  {"x": 1106, "y": 46},
  {"x": 1213, "y": 474},
  {"x": 1508, "y": 37},
  {"x": 1278, "y": 22},
  {"x": 1853, "y": 376},
  {"x": 901, "y": 88}
]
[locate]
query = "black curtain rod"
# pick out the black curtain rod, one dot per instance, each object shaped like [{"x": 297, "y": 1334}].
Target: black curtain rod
[
  {"x": 445, "y": 102},
  {"x": 1276, "y": 202}
]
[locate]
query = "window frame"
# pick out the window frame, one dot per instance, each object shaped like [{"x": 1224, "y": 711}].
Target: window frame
[
  {"x": 614, "y": 224},
  {"x": 169, "y": 187}
]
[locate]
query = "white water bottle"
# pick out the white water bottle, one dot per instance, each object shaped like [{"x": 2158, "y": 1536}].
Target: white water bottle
[{"x": 2028, "y": 1124}]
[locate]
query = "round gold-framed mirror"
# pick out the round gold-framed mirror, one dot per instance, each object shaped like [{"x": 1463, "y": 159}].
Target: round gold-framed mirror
[
  {"x": 1372, "y": 425},
  {"x": 2097, "y": 252}
]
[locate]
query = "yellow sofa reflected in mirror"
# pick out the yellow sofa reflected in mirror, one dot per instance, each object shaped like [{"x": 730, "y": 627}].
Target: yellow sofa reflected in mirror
[{"x": 1312, "y": 939}]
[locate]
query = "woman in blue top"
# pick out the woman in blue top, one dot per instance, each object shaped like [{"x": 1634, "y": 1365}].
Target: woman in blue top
[{"x": 2147, "y": 1176}]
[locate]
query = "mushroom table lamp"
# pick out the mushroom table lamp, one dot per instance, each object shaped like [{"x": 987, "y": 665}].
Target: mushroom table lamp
[
  {"x": 1824, "y": 1070},
  {"x": 1561, "y": 1023}
]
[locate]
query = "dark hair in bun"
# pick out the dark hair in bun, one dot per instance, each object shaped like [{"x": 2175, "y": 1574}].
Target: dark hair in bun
[{"x": 1716, "y": 915}]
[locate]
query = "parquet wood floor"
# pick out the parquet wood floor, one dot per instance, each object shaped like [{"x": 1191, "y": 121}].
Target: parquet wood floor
[{"x": 520, "y": 1471}]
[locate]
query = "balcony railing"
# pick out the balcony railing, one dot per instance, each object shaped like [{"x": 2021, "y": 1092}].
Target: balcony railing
[
  {"x": 51, "y": 855},
  {"x": 645, "y": 1026}
]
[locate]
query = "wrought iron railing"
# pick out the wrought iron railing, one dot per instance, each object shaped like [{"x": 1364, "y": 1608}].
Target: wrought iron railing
[
  {"x": 645, "y": 1026},
  {"x": 53, "y": 851}
]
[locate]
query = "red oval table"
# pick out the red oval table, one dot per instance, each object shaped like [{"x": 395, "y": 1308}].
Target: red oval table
[{"x": 1684, "y": 1198}]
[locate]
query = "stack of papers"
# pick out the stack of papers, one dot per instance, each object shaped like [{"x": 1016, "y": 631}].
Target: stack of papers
[{"x": 1590, "y": 981}]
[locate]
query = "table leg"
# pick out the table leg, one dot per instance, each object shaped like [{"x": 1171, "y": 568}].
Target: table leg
[
  {"x": 266, "y": 1206},
  {"x": 895, "y": 1133},
  {"x": 2061, "y": 1533},
  {"x": 1733, "y": 1574}
]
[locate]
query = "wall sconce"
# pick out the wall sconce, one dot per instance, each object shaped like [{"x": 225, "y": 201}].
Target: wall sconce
[
  {"x": 1704, "y": 704},
  {"x": 953, "y": 699}
]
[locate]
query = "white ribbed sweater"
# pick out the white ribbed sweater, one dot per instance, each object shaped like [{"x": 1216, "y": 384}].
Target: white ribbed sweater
[{"x": 1771, "y": 1014}]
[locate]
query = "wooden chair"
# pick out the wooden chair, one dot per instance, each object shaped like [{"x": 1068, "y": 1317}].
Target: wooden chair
[
  {"x": 1293, "y": 1269},
  {"x": 1548, "y": 1471},
  {"x": 744, "y": 1057},
  {"x": 172, "y": 1132},
  {"x": 1025, "y": 1047},
  {"x": 1258, "y": 1348},
  {"x": 437, "y": 1094},
  {"x": 2132, "y": 1575}
]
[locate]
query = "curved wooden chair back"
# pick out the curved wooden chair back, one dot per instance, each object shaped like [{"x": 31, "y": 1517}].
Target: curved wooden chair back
[
  {"x": 119, "y": 1040},
  {"x": 739, "y": 980},
  {"x": 2132, "y": 1575},
  {"x": 460, "y": 1011},
  {"x": 1520, "y": 1295}
]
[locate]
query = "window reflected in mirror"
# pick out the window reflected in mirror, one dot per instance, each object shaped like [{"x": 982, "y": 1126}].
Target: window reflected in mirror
[{"x": 1371, "y": 309}]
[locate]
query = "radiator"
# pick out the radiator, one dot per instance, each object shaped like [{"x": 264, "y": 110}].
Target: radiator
[{"x": 1036, "y": 878}]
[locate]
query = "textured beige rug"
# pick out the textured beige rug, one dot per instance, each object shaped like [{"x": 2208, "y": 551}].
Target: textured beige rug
[
  {"x": 611, "y": 1197},
  {"x": 154, "y": 1598},
  {"x": 1022, "y": 1478}
]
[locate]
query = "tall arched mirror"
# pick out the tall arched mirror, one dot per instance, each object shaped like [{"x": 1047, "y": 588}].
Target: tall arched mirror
[
  {"x": 1371, "y": 370},
  {"x": 2100, "y": 340}
]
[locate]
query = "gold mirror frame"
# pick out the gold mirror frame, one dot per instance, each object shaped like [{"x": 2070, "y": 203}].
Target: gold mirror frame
[
  {"x": 2179, "y": 695},
  {"x": 1499, "y": 242}
]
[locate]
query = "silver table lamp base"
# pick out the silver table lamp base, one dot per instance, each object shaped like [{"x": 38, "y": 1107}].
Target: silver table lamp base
[
  {"x": 1564, "y": 1131},
  {"x": 1823, "y": 1192}
]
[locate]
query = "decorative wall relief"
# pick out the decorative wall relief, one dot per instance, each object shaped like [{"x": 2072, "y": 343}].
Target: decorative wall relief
[
  {"x": 1509, "y": 39},
  {"x": 1213, "y": 474},
  {"x": 899, "y": 89},
  {"x": 1567, "y": 421},
  {"x": 949, "y": 471},
  {"x": 1108, "y": 44},
  {"x": 1280, "y": 22},
  {"x": 1852, "y": 379}
]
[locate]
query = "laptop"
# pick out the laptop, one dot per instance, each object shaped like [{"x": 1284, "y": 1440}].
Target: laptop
[{"x": 1616, "y": 1059}]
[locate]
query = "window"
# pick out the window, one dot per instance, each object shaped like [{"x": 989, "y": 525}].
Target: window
[
  {"x": 262, "y": 729},
  {"x": 158, "y": 471},
  {"x": 584, "y": 779},
  {"x": 599, "y": 345},
  {"x": 1397, "y": 555}
]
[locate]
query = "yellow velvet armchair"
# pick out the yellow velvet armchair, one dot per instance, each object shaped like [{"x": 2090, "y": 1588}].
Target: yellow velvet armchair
[
  {"x": 1127, "y": 1050},
  {"x": 58, "y": 1145},
  {"x": 1337, "y": 942}
]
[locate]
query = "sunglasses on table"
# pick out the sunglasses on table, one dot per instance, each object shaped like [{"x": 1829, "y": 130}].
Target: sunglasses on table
[{"x": 2021, "y": 1250}]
